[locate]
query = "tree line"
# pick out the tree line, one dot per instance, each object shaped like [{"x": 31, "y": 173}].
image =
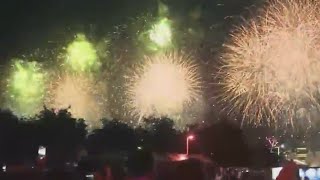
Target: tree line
[{"x": 64, "y": 136}]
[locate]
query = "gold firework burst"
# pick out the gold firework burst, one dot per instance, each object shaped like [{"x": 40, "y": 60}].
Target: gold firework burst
[
  {"x": 82, "y": 95},
  {"x": 271, "y": 67},
  {"x": 164, "y": 85}
]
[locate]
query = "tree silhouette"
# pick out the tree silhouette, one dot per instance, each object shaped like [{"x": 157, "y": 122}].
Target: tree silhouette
[
  {"x": 143, "y": 137},
  {"x": 8, "y": 136},
  {"x": 163, "y": 135},
  {"x": 29, "y": 141},
  {"x": 224, "y": 142},
  {"x": 61, "y": 134},
  {"x": 114, "y": 136}
]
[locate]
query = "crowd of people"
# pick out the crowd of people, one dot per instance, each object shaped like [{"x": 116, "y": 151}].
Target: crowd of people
[{"x": 140, "y": 169}]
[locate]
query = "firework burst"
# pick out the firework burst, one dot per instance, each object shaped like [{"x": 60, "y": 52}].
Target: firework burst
[
  {"x": 271, "y": 67},
  {"x": 26, "y": 87},
  {"x": 161, "y": 34},
  {"x": 81, "y": 55},
  {"x": 164, "y": 85},
  {"x": 82, "y": 95}
]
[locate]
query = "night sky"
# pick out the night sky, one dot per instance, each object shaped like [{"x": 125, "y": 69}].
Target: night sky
[{"x": 26, "y": 25}]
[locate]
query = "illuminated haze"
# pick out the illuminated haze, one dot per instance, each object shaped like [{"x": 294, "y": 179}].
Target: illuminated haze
[{"x": 84, "y": 96}]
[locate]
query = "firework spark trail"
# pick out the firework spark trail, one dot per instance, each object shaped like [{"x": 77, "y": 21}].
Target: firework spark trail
[
  {"x": 26, "y": 88},
  {"x": 164, "y": 85},
  {"x": 84, "y": 96},
  {"x": 271, "y": 67}
]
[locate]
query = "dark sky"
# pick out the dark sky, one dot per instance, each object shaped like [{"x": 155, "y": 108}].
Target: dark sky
[
  {"x": 28, "y": 24},
  {"x": 32, "y": 22}
]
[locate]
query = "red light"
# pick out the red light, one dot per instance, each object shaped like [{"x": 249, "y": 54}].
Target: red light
[
  {"x": 182, "y": 157},
  {"x": 178, "y": 157},
  {"x": 190, "y": 137}
]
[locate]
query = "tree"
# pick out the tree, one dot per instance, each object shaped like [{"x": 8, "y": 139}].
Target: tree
[
  {"x": 61, "y": 134},
  {"x": 224, "y": 142},
  {"x": 114, "y": 136},
  {"x": 164, "y": 136},
  {"x": 28, "y": 133},
  {"x": 9, "y": 139}
]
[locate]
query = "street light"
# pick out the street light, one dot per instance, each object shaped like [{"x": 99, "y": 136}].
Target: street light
[{"x": 190, "y": 137}]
